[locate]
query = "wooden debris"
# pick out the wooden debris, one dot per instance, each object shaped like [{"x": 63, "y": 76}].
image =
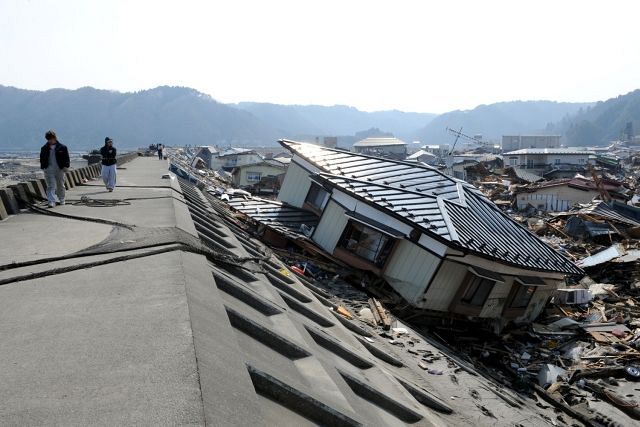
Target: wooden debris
[
  {"x": 380, "y": 314},
  {"x": 343, "y": 311}
]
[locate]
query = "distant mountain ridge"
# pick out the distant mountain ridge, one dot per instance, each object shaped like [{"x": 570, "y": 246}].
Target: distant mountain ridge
[
  {"x": 338, "y": 120},
  {"x": 83, "y": 117},
  {"x": 180, "y": 115},
  {"x": 502, "y": 118},
  {"x": 602, "y": 122}
]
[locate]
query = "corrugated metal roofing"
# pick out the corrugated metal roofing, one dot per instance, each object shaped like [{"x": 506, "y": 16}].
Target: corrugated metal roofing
[
  {"x": 527, "y": 176},
  {"x": 275, "y": 214},
  {"x": 378, "y": 142},
  {"x": 558, "y": 151},
  {"x": 602, "y": 209},
  {"x": 446, "y": 208}
]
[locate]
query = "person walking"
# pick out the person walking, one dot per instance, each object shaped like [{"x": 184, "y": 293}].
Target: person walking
[
  {"x": 160, "y": 149},
  {"x": 109, "y": 161},
  {"x": 54, "y": 160}
]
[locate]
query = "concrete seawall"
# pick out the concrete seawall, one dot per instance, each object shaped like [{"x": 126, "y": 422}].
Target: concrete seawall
[{"x": 13, "y": 197}]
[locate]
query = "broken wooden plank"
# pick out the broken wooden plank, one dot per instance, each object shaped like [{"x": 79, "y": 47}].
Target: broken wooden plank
[{"x": 385, "y": 320}]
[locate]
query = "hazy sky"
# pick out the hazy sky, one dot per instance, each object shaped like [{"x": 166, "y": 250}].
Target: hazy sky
[{"x": 422, "y": 56}]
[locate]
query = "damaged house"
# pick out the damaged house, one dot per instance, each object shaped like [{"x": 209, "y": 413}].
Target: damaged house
[
  {"x": 438, "y": 242},
  {"x": 562, "y": 194}
]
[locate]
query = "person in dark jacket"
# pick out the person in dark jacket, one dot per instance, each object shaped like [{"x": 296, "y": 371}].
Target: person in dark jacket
[
  {"x": 109, "y": 161},
  {"x": 54, "y": 160},
  {"x": 160, "y": 150}
]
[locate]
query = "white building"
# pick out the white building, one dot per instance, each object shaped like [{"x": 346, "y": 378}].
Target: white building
[
  {"x": 423, "y": 156},
  {"x": 543, "y": 160},
  {"x": 518, "y": 142},
  {"x": 383, "y": 147},
  {"x": 440, "y": 150},
  {"x": 233, "y": 157}
]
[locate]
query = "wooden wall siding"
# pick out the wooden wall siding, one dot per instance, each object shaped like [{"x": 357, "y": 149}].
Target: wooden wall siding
[
  {"x": 295, "y": 186},
  {"x": 331, "y": 226},
  {"x": 444, "y": 286},
  {"x": 410, "y": 269}
]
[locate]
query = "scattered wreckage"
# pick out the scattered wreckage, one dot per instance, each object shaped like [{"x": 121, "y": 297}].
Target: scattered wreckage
[{"x": 581, "y": 354}]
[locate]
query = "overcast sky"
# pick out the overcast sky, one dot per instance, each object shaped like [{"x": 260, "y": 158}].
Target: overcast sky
[{"x": 424, "y": 56}]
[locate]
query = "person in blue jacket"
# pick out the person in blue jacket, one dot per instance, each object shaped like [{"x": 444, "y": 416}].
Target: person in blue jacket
[{"x": 54, "y": 160}]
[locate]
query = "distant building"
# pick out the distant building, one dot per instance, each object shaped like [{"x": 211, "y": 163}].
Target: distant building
[
  {"x": 327, "y": 141},
  {"x": 233, "y": 157},
  {"x": 423, "y": 156},
  {"x": 252, "y": 174},
  {"x": 207, "y": 154},
  {"x": 518, "y": 142},
  {"x": 541, "y": 161},
  {"x": 563, "y": 194},
  {"x": 441, "y": 151},
  {"x": 383, "y": 147}
]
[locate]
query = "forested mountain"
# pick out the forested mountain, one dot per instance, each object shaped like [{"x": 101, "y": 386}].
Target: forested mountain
[
  {"x": 178, "y": 116},
  {"x": 503, "y": 118},
  {"x": 82, "y": 118},
  {"x": 338, "y": 120},
  {"x": 603, "y": 122}
]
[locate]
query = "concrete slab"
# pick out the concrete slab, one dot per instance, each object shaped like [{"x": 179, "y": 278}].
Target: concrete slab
[
  {"x": 111, "y": 345},
  {"x": 32, "y": 236}
]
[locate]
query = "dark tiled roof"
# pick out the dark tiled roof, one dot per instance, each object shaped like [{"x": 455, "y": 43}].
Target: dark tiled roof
[{"x": 448, "y": 209}]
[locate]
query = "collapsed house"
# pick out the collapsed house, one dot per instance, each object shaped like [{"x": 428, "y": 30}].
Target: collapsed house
[
  {"x": 437, "y": 241},
  {"x": 563, "y": 194}
]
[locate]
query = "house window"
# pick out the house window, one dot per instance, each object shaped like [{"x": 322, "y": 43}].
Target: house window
[
  {"x": 557, "y": 161},
  {"x": 580, "y": 161},
  {"x": 513, "y": 161},
  {"x": 366, "y": 242},
  {"x": 478, "y": 291},
  {"x": 529, "y": 164},
  {"x": 522, "y": 297},
  {"x": 317, "y": 196},
  {"x": 254, "y": 176}
]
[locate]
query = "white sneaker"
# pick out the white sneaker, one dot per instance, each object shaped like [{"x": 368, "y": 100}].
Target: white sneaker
[
  {"x": 62, "y": 202},
  {"x": 52, "y": 205}
]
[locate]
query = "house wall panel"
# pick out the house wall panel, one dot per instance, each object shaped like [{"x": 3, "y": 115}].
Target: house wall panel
[
  {"x": 444, "y": 286},
  {"x": 330, "y": 227},
  {"x": 410, "y": 269},
  {"x": 556, "y": 198},
  {"x": 295, "y": 186}
]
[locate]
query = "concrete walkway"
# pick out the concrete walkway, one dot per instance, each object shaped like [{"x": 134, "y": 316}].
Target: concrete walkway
[{"x": 108, "y": 345}]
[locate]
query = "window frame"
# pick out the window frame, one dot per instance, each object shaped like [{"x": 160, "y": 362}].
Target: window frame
[
  {"x": 478, "y": 282},
  {"x": 384, "y": 247},
  {"x": 311, "y": 204},
  {"x": 248, "y": 173},
  {"x": 531, "y": 290}
]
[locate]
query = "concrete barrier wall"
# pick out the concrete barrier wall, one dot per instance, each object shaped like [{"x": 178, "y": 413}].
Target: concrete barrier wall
[{"x": 11, "y": 198}]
